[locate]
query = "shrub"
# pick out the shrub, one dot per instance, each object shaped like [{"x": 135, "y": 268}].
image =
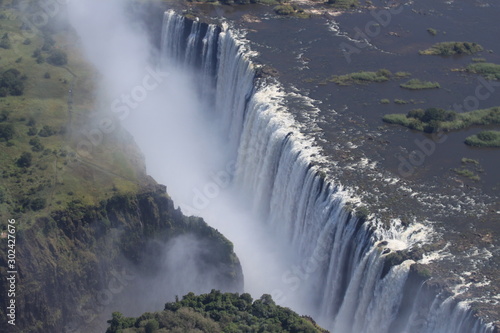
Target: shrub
[
  {"x": 487, "y": 136},
  {"x": 5, "y": 42},
  {"x": 402, "y": 74},
  {"x": 151, "y": 326},
  {"x": 489, "y": 70},
  {"x": 432, "y": 31},
  {"x": 467, "y": 173},
  {"x": 484, "y": 139},
  {"x": 450, "y": 48},
  {"x": 384, "y": 72},
  {"x": 24, "y": 161},
  {"x": 11, "y": 82},
  {"x": 58, "y": 58},
  {"x": 7, "y": 131},
  {"x": 36, "y": 145},
  {"x": 48, "y": 43},
  {"x": 284, "y": 9},
  {"x": 38, "y": 204},
  {"x": 416, "y": 113},
  {"x": 47, "y": 131},
  {"x": 437, "y": 114},
  {"x": 4, "y": 115},
  {"x": 400, "y": 101},
  {"x": 416, "y": 84},
  {"x": 384, "y": 101},
  {"x": 362, "y": 77},
  {"x": 32, "y": 131}
]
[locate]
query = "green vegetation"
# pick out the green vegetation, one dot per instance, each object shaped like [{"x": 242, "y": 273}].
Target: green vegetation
[
  {"x": 11, "y": 83},
  {"x": 467, "y": 173},
  {"x": 362, "y": 77},
  {"x": 6, "y": 132},
  {"x": 434, "y": 119},
  {"x": 34, "y": 80},
  {"x": 432, "y": 31},
  {"x": 57, "y": 58},
  {"x": 216, "y": 312},
  {"x": 401, "y": 101},
  {"x": 344, "y": 4},
  {"x": 64, "y": 197},
  {"x": 489, "y": 70},
  {"x": 384, "y": 101},
  {"x": 469, "y": 161},
  {"x": 478, "y": 59},
  {"x": 5, "y": 42},
  {"x": 401, "y": 75},
  {"x": 24, "y": 161},
  {"x": 484, "y": 139},
  {"x": 416, "y": 84},
  {"x": 451, "y": 48},
  {"x": 465, "y": 169},
  {"x": 290, "y": 10}
]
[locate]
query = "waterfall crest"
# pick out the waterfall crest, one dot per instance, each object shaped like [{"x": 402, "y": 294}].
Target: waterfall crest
[{"x": 340, "y": 272}]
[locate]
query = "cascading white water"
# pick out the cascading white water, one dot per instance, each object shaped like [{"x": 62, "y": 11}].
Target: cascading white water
[{"x": 339, "y": 267}]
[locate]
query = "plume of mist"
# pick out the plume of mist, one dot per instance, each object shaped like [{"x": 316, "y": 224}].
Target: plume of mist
[{"x": 183, "y": 150}]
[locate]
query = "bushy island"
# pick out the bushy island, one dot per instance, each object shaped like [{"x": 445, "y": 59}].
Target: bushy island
[
  {"x": 452, "y": 48},
  {"x": 490, "y": 71},
  {"x": 416, "y": 84},
  {"x": 81, "y": 215},
  {"x": 484, "y": 139},
  {"x": 436, "y": 119},
  {"x": 217, "y": 312}
]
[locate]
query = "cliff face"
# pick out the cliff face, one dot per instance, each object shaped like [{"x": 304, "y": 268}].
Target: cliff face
[{"x": 73, "y": 263}]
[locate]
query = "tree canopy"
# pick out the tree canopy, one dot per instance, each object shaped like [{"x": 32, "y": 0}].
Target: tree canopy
[{"x": 217, "y": 312}]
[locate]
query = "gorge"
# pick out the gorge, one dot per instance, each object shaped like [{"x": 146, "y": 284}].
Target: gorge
[{"x": 333, "y": 264}]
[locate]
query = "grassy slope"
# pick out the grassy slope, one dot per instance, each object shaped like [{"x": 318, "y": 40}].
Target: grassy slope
[{"x": 58, "y": 174}]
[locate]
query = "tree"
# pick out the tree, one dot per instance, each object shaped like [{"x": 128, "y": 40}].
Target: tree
[
  {"x": 416, "y": 113},
  {"x": 24, "y": 161},
  {"x": 152, "y": 326},
  {"x": 36, "y": 145},
  {"x": 5, "y": 41},
  {"x": 47, "y": 131},
  {"x": 487, "y": 136},
  {"x": 119, "y": 322},
  {"x": 438, "y": 114},
  {"x": 7, "y": 132},
  {"x": 38, "y": 203},
  {"x": 57, "y": 58},
  {"x": 11, "y": 82}
]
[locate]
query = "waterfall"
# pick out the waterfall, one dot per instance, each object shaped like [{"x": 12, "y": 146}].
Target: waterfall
[{"x": 340, "y": 272}]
